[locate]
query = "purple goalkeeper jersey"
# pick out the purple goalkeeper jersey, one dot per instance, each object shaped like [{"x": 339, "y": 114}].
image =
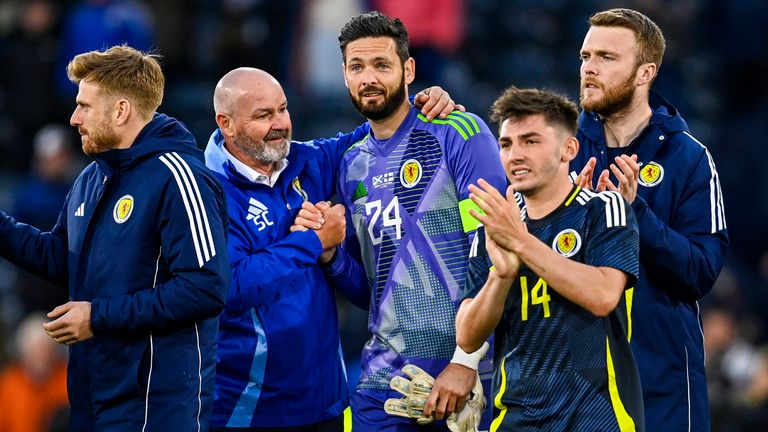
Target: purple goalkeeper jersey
[{"x": 408, "y": 199}]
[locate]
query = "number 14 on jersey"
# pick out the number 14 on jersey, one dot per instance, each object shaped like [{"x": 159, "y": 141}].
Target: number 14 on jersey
[{"x": 538, "y": 295}]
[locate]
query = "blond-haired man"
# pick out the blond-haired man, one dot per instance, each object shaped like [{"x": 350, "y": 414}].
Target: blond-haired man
[
  {"x": 140, "y": 241},
  {"x": 633, "y": 138}
]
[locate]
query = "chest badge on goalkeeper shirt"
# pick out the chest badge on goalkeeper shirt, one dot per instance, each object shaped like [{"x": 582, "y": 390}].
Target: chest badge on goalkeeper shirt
[
  {"x": 567, "y": 242},
  {"x": 651, "y": 174},
  {"x": 410, "y": 173},
  {"x": 123, "y": 209}
]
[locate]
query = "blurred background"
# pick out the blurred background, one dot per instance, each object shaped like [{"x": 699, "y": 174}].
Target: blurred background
[{"x": 714, "y": 71}]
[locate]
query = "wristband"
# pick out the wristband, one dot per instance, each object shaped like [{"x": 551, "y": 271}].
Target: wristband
[{"x": 471, "y": 360}]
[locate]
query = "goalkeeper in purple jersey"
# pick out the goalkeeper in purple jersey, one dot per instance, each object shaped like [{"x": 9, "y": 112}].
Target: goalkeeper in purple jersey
[
  {"x": 279, "y": 324},
  {"x": 405, "y": 189}
]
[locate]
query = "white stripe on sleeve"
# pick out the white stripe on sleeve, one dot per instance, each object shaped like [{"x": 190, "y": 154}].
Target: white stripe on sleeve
[
  {"x": 198, "y": 220},
  {"x": 716, "y": 208},
  {"x": 207, "y": 234}
]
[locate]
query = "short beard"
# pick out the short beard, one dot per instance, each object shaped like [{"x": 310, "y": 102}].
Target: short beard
[
  {"x": 103, "y": 138},
  {"x": 391, "y": 103},
  {"x": 259, "y": 150},
  {"x": 614, "y": 100}
]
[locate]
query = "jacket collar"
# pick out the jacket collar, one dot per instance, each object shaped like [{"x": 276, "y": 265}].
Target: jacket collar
[
  {"x": 217, "y": 161},
  {"x": 665, "y": 120},
  {"x": 161, "y": 135}
]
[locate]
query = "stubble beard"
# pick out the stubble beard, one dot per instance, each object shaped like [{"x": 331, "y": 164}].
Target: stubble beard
[{"x": 545, "y": 174}]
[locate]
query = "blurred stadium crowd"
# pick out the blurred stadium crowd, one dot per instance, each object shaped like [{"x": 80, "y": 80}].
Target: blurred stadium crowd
[{"x": 714, "y": 71}]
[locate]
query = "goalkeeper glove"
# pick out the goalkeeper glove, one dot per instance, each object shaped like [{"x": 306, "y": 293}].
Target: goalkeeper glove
[{"x": 416, "y": 390}]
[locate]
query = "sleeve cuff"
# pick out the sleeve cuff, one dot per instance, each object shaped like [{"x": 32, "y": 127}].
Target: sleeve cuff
[
  {"x": 640, "y": 207},
  {"x": 336, "y": 265},
  {"x": 330, "y": 262},
  {"x": 312, "y": 242},
  {"x": 96, "y": 316}
]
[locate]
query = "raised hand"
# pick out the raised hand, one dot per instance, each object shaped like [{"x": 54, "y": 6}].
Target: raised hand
[
  {"x": 315, "y": 217},
  {"x": 584, "y": 179},
  {"x": 501, "y": 216},
  {"x": 505, "y": 263},
  {"x": 310, "y": 216},
  {"x": 627, "y": 173},
  {"x": 333, "y": 231}
]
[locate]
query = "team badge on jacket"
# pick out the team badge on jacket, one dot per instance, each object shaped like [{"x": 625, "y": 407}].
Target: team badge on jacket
[
  {"x": 123, "y": 209},
  {"x": 651, "y": 174},
  {"x": 567, "y": 242},
  {"x": 297, "y": 187},
  {"x": 410, "y": 173}
]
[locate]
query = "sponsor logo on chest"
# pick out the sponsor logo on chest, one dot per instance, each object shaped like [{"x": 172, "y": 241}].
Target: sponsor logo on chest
[
  {"x": 383, "y": 180},
  {"x": 258, "y": 213}
]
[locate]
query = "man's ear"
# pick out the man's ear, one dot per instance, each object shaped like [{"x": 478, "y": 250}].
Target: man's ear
[
  {"x": 409, "y": 70},
  {"x": 344, "y": 73},
  {"x": 122, "y": 112},
  {"x": 646, "y": 72},
  {"x": 570, "y": 149},
  {"x": 225, "y": 124}
]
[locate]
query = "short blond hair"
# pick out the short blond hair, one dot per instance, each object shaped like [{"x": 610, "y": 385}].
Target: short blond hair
[
  {"x": 122, "y": 71},
  {"x": 649, "y": 38}
]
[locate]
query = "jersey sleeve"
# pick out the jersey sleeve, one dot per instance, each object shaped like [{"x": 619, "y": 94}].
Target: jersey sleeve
[
  {"x": 690, "y": 251},
  {"x": 478, "y": 267},
  {"x": 473, "y": 153},
  {"x": 193, "y": 244},
  {"x": 347, "y": 275},
  {"x": 333, "y": 149},
  {"x": 613, "y": 236}
]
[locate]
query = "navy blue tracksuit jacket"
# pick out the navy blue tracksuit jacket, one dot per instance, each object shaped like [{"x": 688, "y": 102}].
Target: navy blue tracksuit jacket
[
  {"x": 142, "y": 237},
  {"x": 683, "y": 242}
]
